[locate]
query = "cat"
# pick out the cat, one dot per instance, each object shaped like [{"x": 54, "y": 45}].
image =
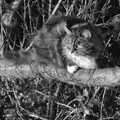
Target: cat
[
  {"x": 45, "y": 46},
  {"x": 66, "y": 42}
]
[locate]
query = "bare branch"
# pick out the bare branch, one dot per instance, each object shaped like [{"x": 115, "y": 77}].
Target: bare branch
[{"x": 101, "y": 77}]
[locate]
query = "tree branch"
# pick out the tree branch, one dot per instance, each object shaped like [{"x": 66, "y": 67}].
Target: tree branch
[{"x": 101, "y": 77}]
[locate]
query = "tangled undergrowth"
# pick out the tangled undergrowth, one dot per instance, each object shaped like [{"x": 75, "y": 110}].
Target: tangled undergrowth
[{"x": 31, "y": 99}]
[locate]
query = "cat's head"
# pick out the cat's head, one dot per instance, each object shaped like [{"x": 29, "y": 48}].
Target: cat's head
[{"x": 83, "y": 46}]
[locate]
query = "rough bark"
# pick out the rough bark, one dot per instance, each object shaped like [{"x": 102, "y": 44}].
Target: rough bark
[{"x": 101, "y": 77}]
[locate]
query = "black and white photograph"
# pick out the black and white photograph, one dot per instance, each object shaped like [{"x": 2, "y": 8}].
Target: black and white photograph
[{"x": 59, "y": 59}]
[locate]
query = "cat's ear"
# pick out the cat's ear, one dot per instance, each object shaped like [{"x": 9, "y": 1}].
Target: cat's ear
[{"x": 86, "y": 33}]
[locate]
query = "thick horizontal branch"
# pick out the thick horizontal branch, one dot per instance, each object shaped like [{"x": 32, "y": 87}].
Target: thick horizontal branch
[{"x": 102, "y": 77}]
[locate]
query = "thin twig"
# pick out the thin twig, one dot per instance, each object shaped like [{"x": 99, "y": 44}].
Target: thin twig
[
  {"x": 43, "y": 11},
  {"x": 71, "y": 8},
  {"x": 50, "y": 6},
  {"x": 2, "y": 29},
  {"x": 55, "y": 9}
]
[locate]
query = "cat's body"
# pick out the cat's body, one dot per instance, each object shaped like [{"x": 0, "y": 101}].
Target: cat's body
[
  {"x": 51, "y": 36},
  {"x": 46, "y": 44},
  {"x": 64, "y": 41},
  {"x": 83, "y": 46}
]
